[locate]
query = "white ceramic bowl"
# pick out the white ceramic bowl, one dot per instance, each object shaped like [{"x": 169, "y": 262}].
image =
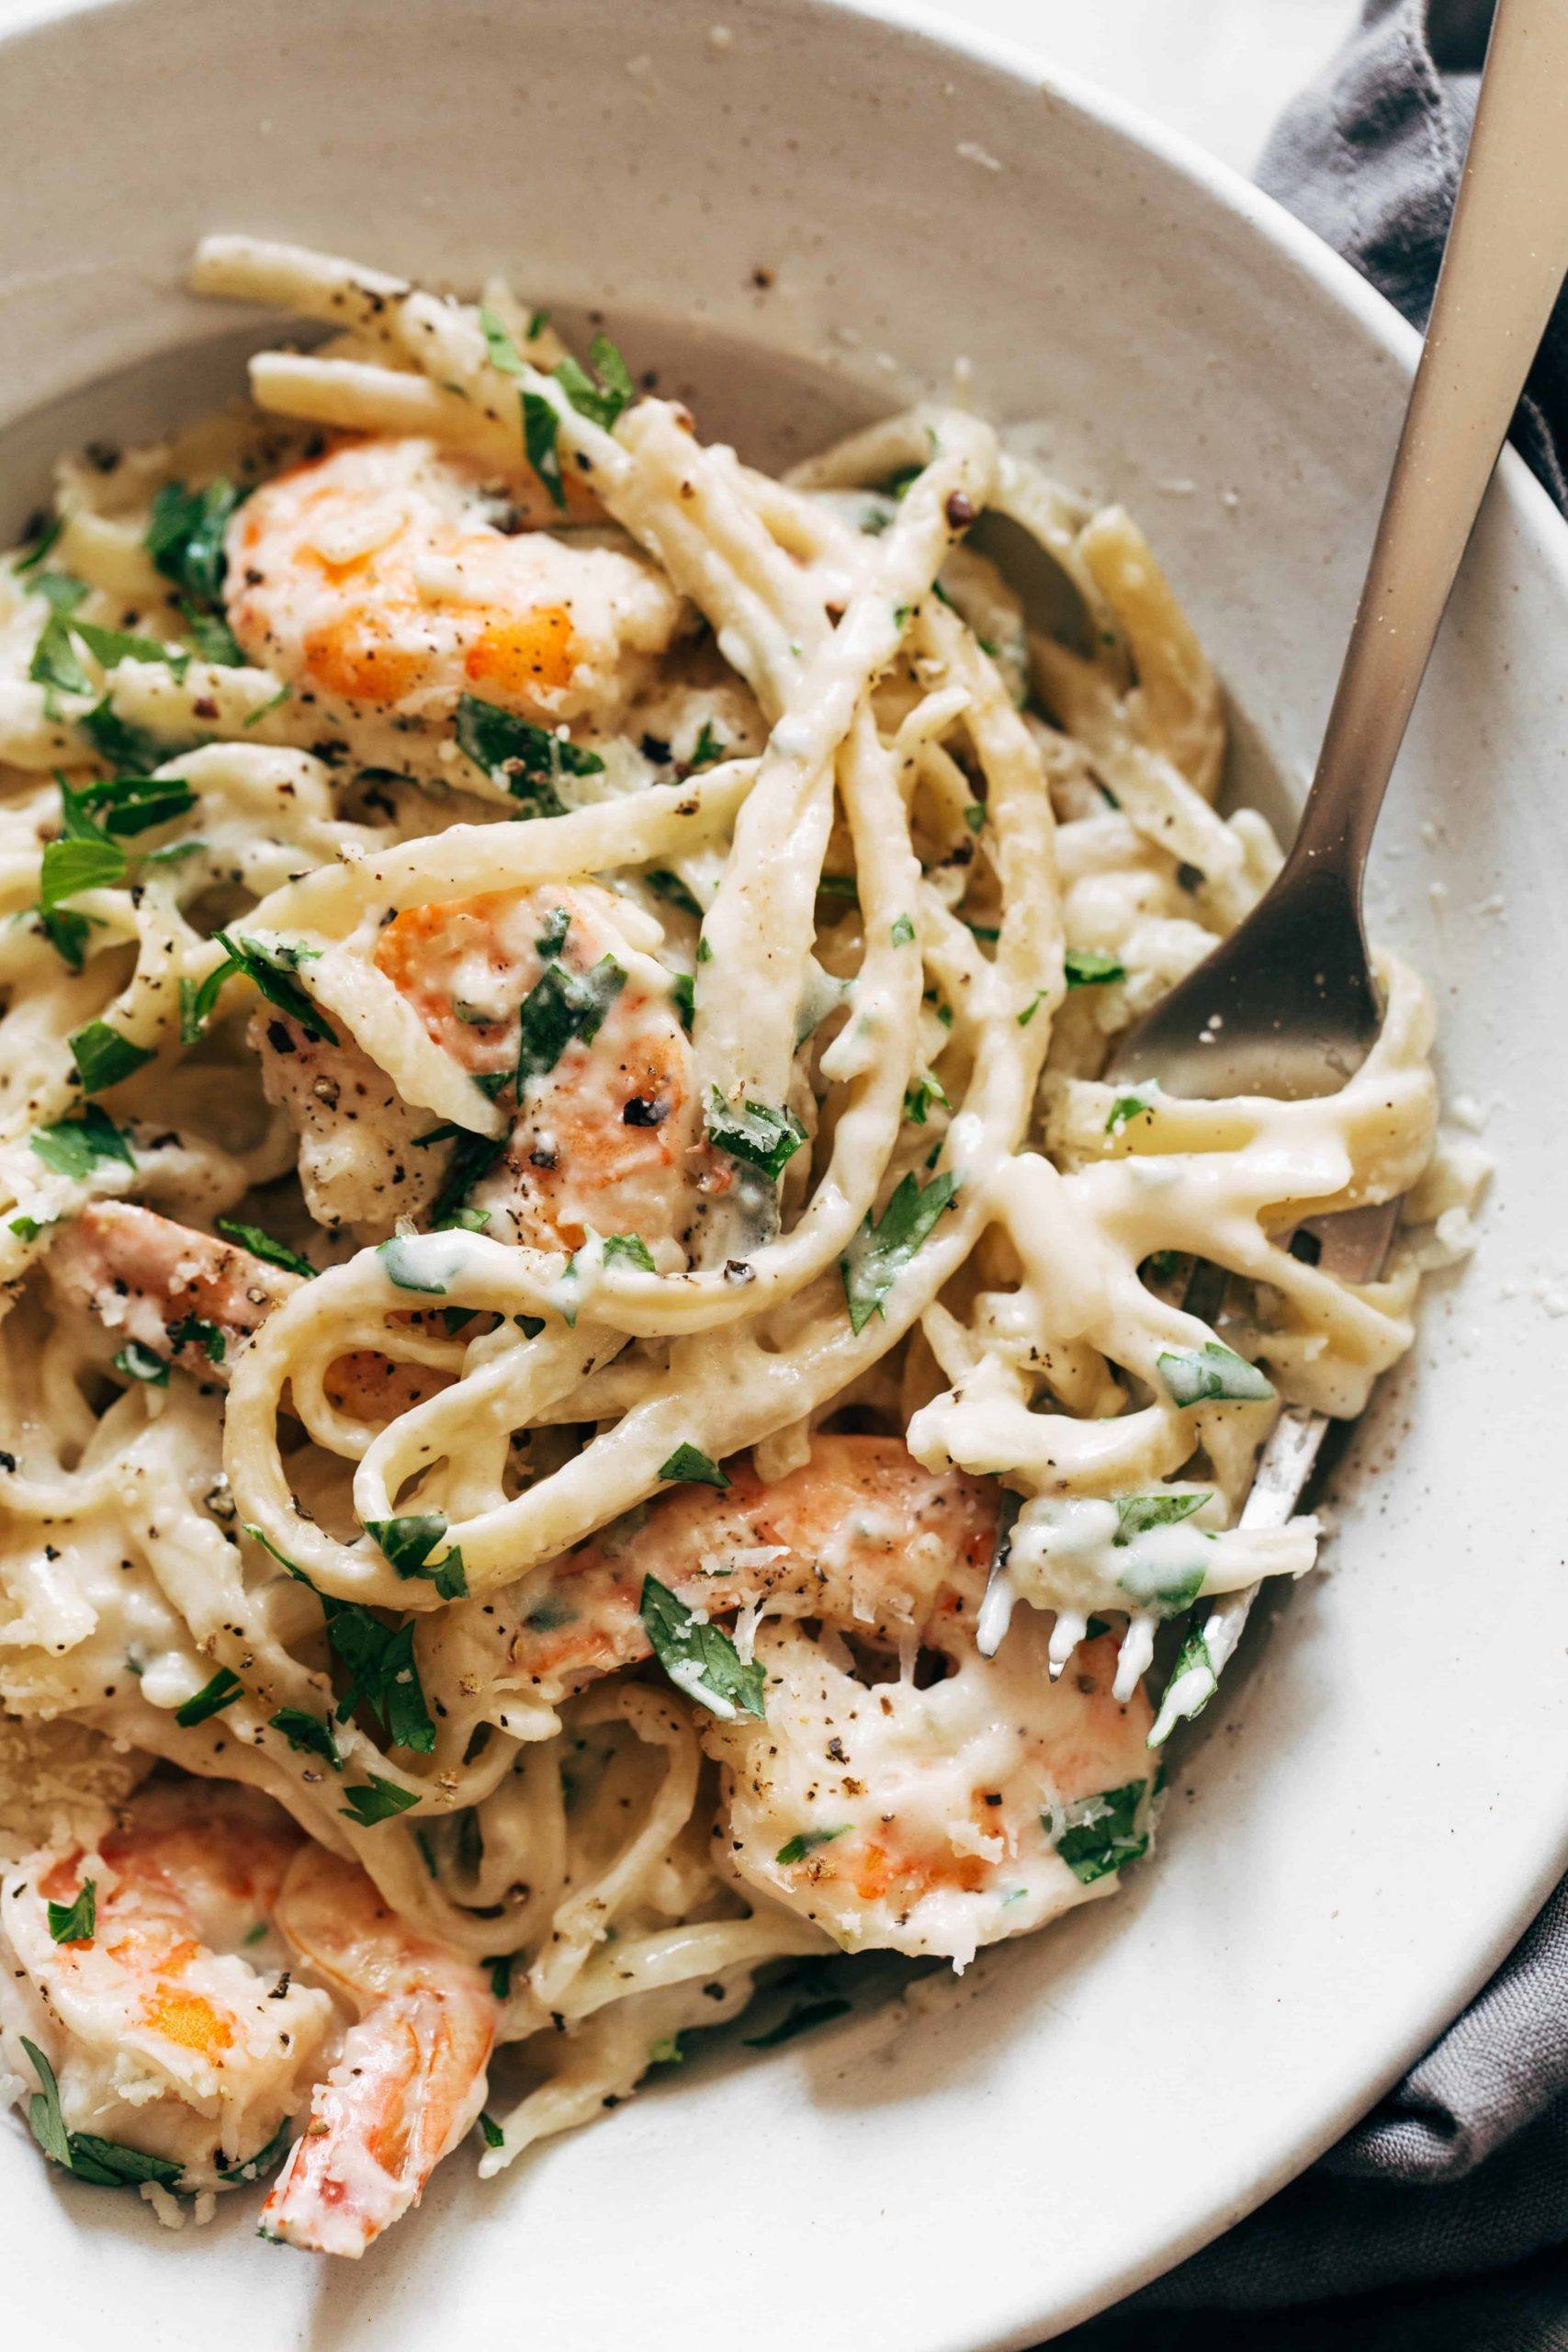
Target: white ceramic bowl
[{"x": 1381, "y": 1797}]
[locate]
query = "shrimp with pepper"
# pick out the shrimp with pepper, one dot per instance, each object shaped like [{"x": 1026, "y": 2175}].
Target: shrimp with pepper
[
  {"x": 394, "y": 574},
  {"x": 900, "y": 1790},
  {"x": 538, "y": 996},
  {"x": 410, "y": 2078},
  {"x": 190, "y": 1300},
  {"x": 129, "y": 1967}
]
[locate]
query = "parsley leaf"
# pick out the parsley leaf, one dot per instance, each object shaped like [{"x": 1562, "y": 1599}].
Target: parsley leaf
[
  {"x": 1135, "y": 1514},
  {"x": 1100, "y": 1836},
  {"x": 184, "y": 538},
  {"x": 376, "y": 1800},
  {"x": 406, "y": 1544},
  {"x": 271, "y": 968},
  {"x": 1193, "y": 1682},
  {"x": 690, "y": 1466},
  {"x": 540, "y": 426},
  {"x": 493, "y": 2136},
  {"x": 755, "y": 1133},
  {"x": 502, "y": 351},
  {"x": 102, "y": 2163},
  {"x": 309, "y": 1734},
  {"x": 602, "y": 402},
  {"x": 134, "y": 804},
  {"x": 472, "y": 1157},
  {"x": 262, "y": 1245},
  {"x": 805, "y": 1841},
  {"x": 559, "y": 1006},
  {"x": 76, "y": 1147},
  {"x": 1085, "y": 967},
  {"x": 673, "y": 891},
  {"x": 112, "y": 646},
  {"x": 212, "y": 1699},
  {"x": 403, "y": 1265},
  {"x": 903, "y": 932},
  {"x": 632, "y": 1247},
  {"x": 1213, "y": 1373},
  {"x": 525, "y": 758},
  {"x": 919, "y": 1098},
  {"x": 104, "y": 1057},
  {"x": 77, "y": 1923},
  {"x": 879, "y": 1252},
  {"x": 54, "y": 665},
  {"x": 139, "y": 1363},
  {"x": 382, "y": 1674},
  {"x": 699, "y": 1659},
  {"x": 79, "y": 863}
]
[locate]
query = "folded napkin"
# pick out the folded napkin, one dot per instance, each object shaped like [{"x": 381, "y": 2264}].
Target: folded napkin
[{"x": 1440, "y": 2222}]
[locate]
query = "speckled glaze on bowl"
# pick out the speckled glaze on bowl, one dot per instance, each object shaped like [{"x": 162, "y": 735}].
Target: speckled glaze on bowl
[{"x": 800, "y": 216}]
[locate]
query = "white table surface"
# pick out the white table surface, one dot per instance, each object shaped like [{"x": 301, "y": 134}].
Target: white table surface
[{"x": 1218, "y": 70}]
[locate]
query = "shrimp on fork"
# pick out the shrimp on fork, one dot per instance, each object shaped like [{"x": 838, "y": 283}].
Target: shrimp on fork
[
  {"x": 411, "y": 2076},
  {"x": 902, "y": 1791}
]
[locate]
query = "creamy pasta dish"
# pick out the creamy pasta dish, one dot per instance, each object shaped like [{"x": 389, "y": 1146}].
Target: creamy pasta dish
[{"x": 600, "y": 1395}]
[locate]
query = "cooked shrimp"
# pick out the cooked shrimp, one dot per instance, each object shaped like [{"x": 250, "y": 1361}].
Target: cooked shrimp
[
  {"x": 183, "y": 1295},
  {"x": 410, "y": 2076},
  {"x": 608, "y": 1132},
  {"x": 393, "y": 574},
  {"x": 190, "y": 1300},
  {"x": 923, "y": 1815},
  {"x": 164, "y": 2039},
  {"x": 859, "y": 1535},
  {"x": 933, "y": 1820}
]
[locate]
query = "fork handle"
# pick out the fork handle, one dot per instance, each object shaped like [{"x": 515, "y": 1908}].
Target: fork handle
[{"x": 1503, "y": 269}]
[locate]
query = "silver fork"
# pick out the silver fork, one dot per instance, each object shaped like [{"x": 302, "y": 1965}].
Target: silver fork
[{"x": 1287, "y": 1005}]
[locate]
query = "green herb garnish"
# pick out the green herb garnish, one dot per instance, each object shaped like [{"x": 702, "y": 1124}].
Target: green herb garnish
[
  {"x": 261, "y": 1244},
  {"x": 805, "y": 1841},
  {"x": 699, "y": 1659},
  {"x": 1100, "y": 1836},
  {"x": 212, "y": 1698},
  {"x": 77, "y": 1923},
  {"x": 104, "y": 1057},
  {"x": 1213, "y": 1373},
  {"x": 376, "y": 1800},
  {"x": 880, "y": 1252},
  {"x": 690, "y": 1466},
  {"x": 76, "y": 1147}
]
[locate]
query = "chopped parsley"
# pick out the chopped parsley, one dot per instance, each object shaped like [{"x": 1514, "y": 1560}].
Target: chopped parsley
[
  {"x": 919, "y": 1098},
  {"x": 472, "y": 1158},
  {"x": 699, "y": 1658},
  {"x": 560, "y": 1006},
  {"x": 135, "y": 803},
  {"x": 382, "y": 1674},
  {"x": 103, "y": 2163},
  {"x": 261, "y": 1244},
  {"x": 540, "y": 425},
  {"x": 491, "y": 2131},
  {"x": 185, "y": 540},
  {"x": 599, "y": 401},
  {"x": 689, "y": 1465},
  {"x": 104, "y": 1057},
  {"x": 271, "y": 970},
  {"x": 402, "y": 1261},
  {"x": 903, "y": 932},
  {"x": 525, "y": 759},
  {"x": 130, "y": 751},
  {"x": 77, "y": 1923},
  {"x": 1100, "y": 1836},
  {"x": 308, "y": 1734},
  {"x": 707, "y": 748},
  {"x": 212, "y": 1698},
  {"x": 1213, "y": 1373},
  {"x": 139, "y": 1363},
  {"x": 1085, "y": 967},
  {"x": 76, "y": 1147},
  {"x": 406, "y": 1544},
  {"x": 805, "y": 1841},
  {"x": 633, "y": 1249},
  {"x": 879, "y": 1252},
  {"x": 1135, "y": 1514},
  {"x": 1193, "y": 1682},
  {"x": 673, "y": 891},
  {"x": 1129, "y": 1106},
  {"x": 376, "y": 1800},
  {"x": 755, "y": 1133}
]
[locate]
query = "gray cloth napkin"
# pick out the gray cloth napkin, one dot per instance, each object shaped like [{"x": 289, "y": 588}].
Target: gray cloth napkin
[{"x": 1440, "y": 2222}]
